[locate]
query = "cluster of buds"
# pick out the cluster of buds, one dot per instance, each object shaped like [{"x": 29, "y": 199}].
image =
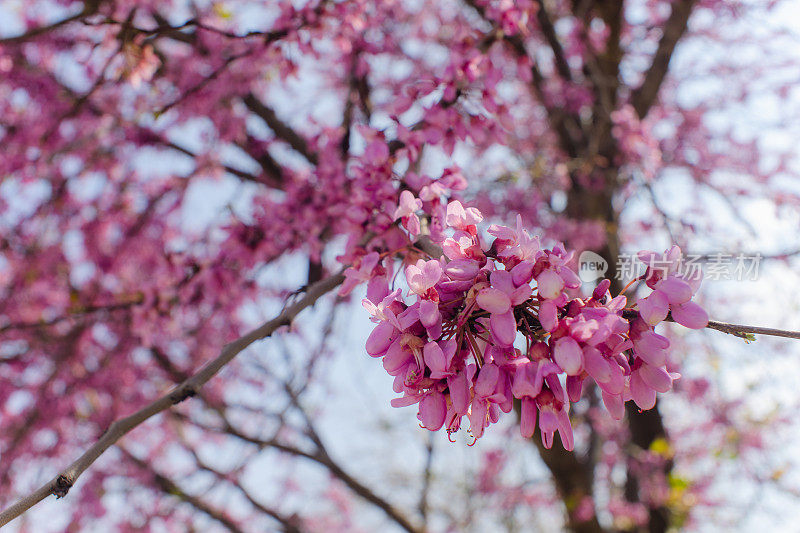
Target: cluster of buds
[{"x": 491, "y": 324}]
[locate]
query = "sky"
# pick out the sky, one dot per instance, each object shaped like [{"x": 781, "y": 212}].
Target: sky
[{"x": 357, "y": 421}]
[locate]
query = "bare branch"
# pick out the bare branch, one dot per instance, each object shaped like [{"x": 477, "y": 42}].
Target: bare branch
[
  {"x": 36, "y": 32},
  {"x": 566, "y": 125},
  {"x": 319, "y": 456},
  {"x": 573, "y": 477},
  {"x": 280, "y": 128},
  {"x": 743, "y": 331},
  {"x": 270, "y": 179},
  {"x": 74, "y": 313},
  {"x": 170, "y": 487},
  {"x": 645, "y": 95},
  {"x": 290, "y": 523},
  {"x": 549, "y": 31},
  {"x": 60, "y": 485},
  {"x": 205, "y": 81},
  {"x": 323, "y": 457},
  {"x": 737, "y": 330},
  {"x": 427, "y": 477}
]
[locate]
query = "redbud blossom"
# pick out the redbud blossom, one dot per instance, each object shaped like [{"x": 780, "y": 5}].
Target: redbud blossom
[{"x": 452, "y": 350}]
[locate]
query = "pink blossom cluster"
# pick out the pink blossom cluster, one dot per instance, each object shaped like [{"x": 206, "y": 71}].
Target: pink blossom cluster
[{"x": 491, "y": 324}]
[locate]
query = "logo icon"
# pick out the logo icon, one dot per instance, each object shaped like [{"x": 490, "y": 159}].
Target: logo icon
[{"x": 591, "y": 266}]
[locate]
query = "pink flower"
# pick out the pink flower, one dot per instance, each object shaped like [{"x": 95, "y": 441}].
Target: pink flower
[
  {"x": 553, "y": 416},
  {"x": 387, "y": 309},
  {"x": 548, "y": 315},
  {"x": 503, "y": 327},
  {"x": 654, "y": 308},
  {"x": 516, "y": 245},
  {"x": 407, "y": 211},
  {"x": 432, "y": 192},
  {"x": 569, "y": 356},
  {"x": 499, "y": 299},
  {"x": 527, "y": 417},
  {"x": 380, "y": 339},
  {"x": 494, "y": 300},
  {"x": 460, "y": 218},
  {"x": 690, "y": 314},
  {"x": 660, "y": 266},
  {"x": 438, "y": 358},
  {"x": 359, "y": 273},
  {"x": 488, "y": 394},
  {"x": 529, "y": 376},
  {"x": 423, "y": 276},
  {"x": 451, "y": 351},
  {"x": 672, "y": 291},
  {"x": 432, "y": 410},
  {"x": 641, "y": 393},
  {"x": 462, "y": 269}
]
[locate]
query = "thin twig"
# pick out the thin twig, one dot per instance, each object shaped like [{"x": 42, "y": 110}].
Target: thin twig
[
  {"x": 60, "y": 485},
  {"x": 41, "y": 30},
  {"x": 427, "y": 477},
  {"x": 168, "y": 486},
  {"x": 738, "y": 330},
  {"x": 280, "y": 128},
  {"x": 743, "y": 331}
]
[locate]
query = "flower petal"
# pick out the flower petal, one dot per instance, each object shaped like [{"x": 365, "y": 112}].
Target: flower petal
[
  {"x": 502, "y": 280},
  {"x": 549, "y": 284},
  {"x": 614, "y": 405},
  {"x": 567, "y": 353},
  {"x": 380, "y": 339},
  {"x": 527, "y": 419},
  {"x": 432, "y": 410},
  {"x": 574, "y": 388},
  {"x": 462, "y": 269},
  {"x": 493, "y": 300},
  {"x": 654, "y": 308},
  {"x": 565, "y": 430},
  {"x": 651, "y": 348},
  {"x": 641, "y": 393},
  {"x": 675, "y": 289},
  {"x": 548, "y": 315},
  {"x": 690, "y": 315},
  {"x": 522, "y": 273},
  {"x": 503, "y": 327},
  {"x": 428, "y": 313},
  {"x": 459, "y": 392},
  {"x": 434, "y": 359},
  {"x": 596, "y": 365},
  {"x": 486, "y": 383},
  {"x": 656, "y": 377}
]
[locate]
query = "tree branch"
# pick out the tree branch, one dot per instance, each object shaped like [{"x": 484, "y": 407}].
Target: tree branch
[
  {"x": 743, "y": 331},
  {"x": 549, "y": 32},
  {"x": 170, "y": 487},
  {"x": 61, "y": 484},
  {"x": 737, "y": 330},
  {"x": 271, "y": 176},
  {"x": 323, "y": 457},
  {"x": 645, "y": 95},
  {"x": 290, "y": 524},
  {"x": 320, "y": 456},
  {"x": 573, "y": 477},
  {"x": 566, "y": 125},
  {"x": 36, "y": 32},
  {"x": 280, "y": 128},
  {"x": 427, "y": 477}
]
